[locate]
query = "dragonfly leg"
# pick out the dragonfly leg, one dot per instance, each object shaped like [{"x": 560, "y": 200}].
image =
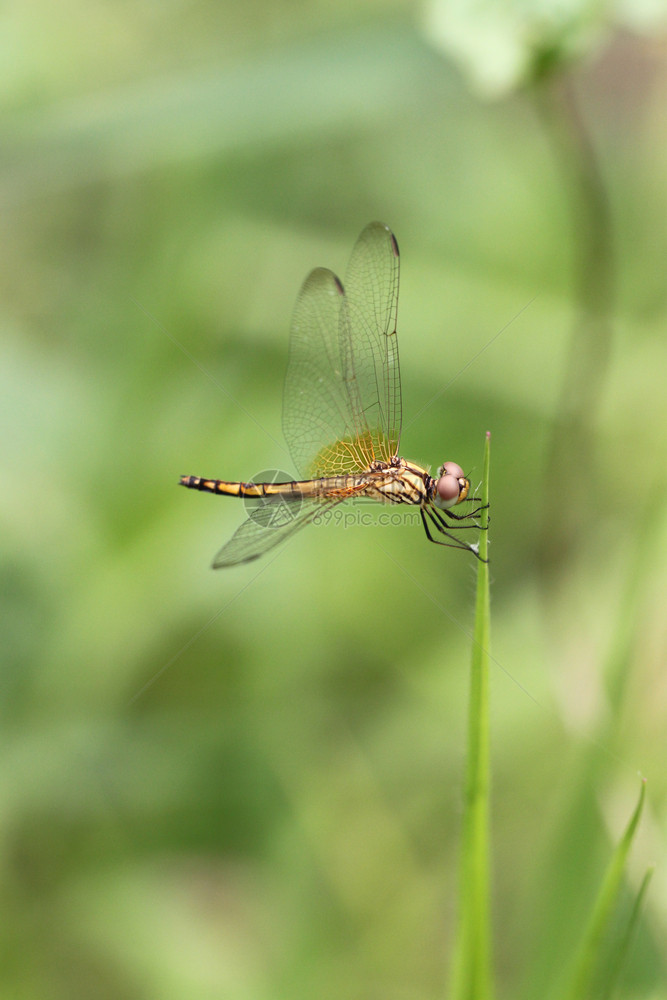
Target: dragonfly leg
[
  {"x": 464, "y": 517},
  {"x": 434, "y": 514},
  {"x": 454, "y": 543}
]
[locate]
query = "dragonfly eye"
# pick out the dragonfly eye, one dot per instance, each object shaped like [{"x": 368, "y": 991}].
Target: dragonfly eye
[
  {"x": 451, "y": 469},
  {"x": 452, "y": 486}
]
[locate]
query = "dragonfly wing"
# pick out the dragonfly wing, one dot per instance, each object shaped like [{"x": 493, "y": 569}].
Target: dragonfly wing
[
  {"x": 342, "y": 399},
  {"x": 268, "y": 526},
  {"x": 368, "y": 337},
  {"x": 316, "y": 409}
]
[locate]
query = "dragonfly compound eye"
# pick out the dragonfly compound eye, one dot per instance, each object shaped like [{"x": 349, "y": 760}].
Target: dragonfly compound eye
[
  {"x": 452, "y": 486},
  {"x": 448, "y": 490},
  {"x": 451, "y": 469}
]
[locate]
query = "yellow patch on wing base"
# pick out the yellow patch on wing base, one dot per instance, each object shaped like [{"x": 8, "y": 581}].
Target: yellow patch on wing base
[{"x": 354, "y": 454}]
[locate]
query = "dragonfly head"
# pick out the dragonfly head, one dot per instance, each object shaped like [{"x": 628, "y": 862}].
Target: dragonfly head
[{"x": 451, "y": 486}]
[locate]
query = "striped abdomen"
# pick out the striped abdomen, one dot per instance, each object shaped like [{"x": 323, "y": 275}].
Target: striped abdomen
[{"x": 286, "y": 491}]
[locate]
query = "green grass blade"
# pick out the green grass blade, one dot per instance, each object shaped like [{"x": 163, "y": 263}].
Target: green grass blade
[
  {"x": 472, "y": 964},
  {"x": 585, "y": 962},
  {"x": 622, "y": 945}
]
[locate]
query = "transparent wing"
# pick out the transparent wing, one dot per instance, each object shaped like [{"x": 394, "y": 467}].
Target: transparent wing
[
  {"x": 270, "y": 524},
  {"x": 368, "y": 337},
  {"x": 342, "y": 398},
  {"x": 316, "y": 409}
]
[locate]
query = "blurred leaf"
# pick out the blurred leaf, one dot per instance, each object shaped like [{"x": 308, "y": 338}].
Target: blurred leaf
[
  {"x": 612, "y": 972},
  {"x": 585, "y": 961},
  {"x": 502, "y": 47}
]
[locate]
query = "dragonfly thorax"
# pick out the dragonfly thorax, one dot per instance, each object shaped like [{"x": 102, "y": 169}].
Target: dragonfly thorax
[{"x": 451, "y": 486}]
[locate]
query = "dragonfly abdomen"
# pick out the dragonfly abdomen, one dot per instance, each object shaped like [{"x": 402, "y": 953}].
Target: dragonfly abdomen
[
  {"x": 328, "y": 487},
  {"x": 229, "y": 489},
  {"x": 310, "y": 488}
]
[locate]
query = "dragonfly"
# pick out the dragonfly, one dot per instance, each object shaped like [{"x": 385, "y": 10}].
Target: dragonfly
[{"x": 342, "y": 415}]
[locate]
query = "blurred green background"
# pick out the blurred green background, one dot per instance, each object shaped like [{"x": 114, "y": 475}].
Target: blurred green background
[{"x": 248, "y": 784}]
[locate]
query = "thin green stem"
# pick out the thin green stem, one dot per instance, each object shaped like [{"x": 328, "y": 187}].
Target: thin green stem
[{"x": 472, "y": 961}]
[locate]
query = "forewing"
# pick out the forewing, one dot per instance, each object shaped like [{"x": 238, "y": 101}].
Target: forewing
[
  {"x": 342, "y": 398},
  {"x": 368, "y": 338},
  {"x": 316, "y": 410}
]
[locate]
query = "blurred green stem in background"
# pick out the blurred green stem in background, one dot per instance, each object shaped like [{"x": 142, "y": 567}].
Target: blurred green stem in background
[
  {"x": 621, "y": 946},
  {"x": 571, "y": 473},
  {"x": 581, "y": 810},
  {"x": 472, "y": 966},
  {"x": 589, "y": 956}
]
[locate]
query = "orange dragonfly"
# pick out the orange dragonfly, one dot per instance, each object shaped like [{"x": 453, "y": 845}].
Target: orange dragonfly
[{"x": 342, "y": 414}]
